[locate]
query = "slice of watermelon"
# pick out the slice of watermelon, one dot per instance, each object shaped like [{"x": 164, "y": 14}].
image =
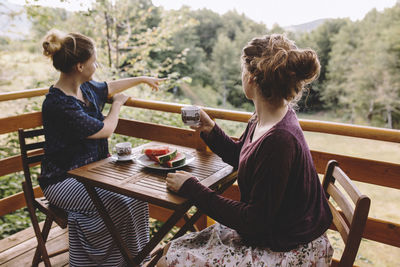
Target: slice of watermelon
[
  {"x": 152, "y": 152},
  {"x": 179, "y": 160},
  {"x": 152, "y": 157},
  {"x": 167, "y": 157},
  {"x": 156, "y": 150}
]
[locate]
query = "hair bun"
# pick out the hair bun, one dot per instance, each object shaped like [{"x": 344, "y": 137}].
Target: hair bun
[
  {"x": 305, "y": 64},
  {"x": 52, "y": 42}
]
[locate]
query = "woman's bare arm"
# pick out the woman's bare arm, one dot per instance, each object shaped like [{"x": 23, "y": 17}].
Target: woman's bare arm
[{"x": 117, "y": 86}]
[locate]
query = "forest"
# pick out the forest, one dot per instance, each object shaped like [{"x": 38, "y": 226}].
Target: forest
[{"x": 199, "y": 51}]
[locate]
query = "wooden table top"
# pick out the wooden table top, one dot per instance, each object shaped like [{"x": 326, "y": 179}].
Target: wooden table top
[{"x": 132, "y": 179}]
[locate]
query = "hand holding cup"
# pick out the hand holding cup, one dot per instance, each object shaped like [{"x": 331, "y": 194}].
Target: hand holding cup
[
  {"x": 205, "y": 125},
  {"x": 190, "y": 115},
  {"x": 197, "y": 119}
]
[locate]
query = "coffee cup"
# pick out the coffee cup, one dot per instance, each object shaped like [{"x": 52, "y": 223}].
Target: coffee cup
[
  {"x": 190, "y": 115},
  {"x": 123, "y": 150}
]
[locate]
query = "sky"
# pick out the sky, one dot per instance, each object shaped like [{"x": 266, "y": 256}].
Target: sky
[{"x": 282, "y": 12}]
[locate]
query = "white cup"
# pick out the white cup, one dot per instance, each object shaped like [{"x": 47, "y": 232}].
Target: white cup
[
  {"x": 190, "y": 115},
  {"x": 123, "y": 150}
]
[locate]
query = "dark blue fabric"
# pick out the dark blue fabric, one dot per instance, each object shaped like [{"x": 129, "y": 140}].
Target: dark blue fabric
[{"x": 67, "y": 123}]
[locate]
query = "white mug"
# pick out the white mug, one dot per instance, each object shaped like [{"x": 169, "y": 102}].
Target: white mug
[
  {"x": 123, "y": 149},
  {"x": 190, "y": 115}
]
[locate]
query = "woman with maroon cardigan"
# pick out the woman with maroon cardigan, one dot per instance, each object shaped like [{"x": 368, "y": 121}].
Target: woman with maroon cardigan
[{"x": 283, "y": 214}]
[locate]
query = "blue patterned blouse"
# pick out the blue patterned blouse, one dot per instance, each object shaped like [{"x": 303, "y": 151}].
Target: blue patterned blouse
[{"x": 67, "y": 123}]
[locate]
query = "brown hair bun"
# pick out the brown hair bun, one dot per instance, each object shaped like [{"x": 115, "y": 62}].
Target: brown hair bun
[
  {"x": 52, "y": 42},
  {"x": 279, "y": 67},
  {"x": 66, "y": 50}
]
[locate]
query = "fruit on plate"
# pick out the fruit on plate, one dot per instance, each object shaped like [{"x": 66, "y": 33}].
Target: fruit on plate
[
  {"x": 156, "y": 150},
  {"x": 167, "y": 157},
  {"x": 177, "y": 161}
]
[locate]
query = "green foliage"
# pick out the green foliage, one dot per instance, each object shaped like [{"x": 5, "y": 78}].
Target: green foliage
[
  {"x": 15, "y": 222},
  {"x": 45, "y": 18},
  {"x": 359, "y": 60},
  {"x": 18, "y": 220},
  {"x": 321, "y": 41},
  {"x": 362, "y": 73}
]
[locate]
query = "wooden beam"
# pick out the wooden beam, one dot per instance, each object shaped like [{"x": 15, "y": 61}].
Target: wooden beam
[
  {"x": 10, "y": 165},
  {"x": 359, "y": 131},
  {"x": 6, "y": 96},
  {"x": 377, "y": 230},
  {"x": 14, "y": 164},
  {"x": 360, "y": 169},
  {"x": 26, "y": 121},
  {"x": 382, "y": 231},
  {"x": 232, "y": 115},
  {"x": 375, "y": 133},
  {"x": 161, "y": 133},
  {"x": 17, "y": 201}
]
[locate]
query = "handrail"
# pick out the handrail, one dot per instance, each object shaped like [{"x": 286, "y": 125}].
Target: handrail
[
  {"x": 351, "y": 130},
  {"x": 374, "y": 133},
  {"x": 23, "y": 94}
]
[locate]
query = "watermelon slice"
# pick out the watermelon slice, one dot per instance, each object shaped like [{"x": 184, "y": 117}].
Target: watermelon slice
[
  {"x": 156, "y": 150},
  {"x": 167, "y": 157},
  {"x": 179, "y": 160},
  {"x": 152, "y": 157},
  {"x": 152, "y": 152}
]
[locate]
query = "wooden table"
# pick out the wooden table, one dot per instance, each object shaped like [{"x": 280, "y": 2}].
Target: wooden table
[{"x": 131, "y": 179}]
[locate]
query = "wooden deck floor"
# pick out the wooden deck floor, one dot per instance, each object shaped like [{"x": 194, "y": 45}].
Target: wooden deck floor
[{"x": 17, "y": 250}]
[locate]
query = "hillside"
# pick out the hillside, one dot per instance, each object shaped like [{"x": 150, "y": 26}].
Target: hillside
[
  {"x": 305, "y": 27},
  {"x": 13, "y": 21}
]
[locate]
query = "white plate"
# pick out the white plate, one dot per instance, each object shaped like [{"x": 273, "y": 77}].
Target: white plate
[
  {"x": 145, "y": 161},
  {"x": 125, "y": 158}
]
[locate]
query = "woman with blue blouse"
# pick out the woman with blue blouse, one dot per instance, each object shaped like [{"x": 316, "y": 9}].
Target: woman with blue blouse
[{"x": 76, "y": 134}]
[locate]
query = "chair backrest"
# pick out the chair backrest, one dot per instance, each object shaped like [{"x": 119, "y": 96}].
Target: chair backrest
[
  {"x": 31, "y": 151},
  {"x": 350, "y": 222}
]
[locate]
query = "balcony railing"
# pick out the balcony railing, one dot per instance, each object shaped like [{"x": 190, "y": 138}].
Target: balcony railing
[{"x": 373, "y": 172}]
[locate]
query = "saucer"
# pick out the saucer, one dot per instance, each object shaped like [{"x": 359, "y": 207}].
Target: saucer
[{"x": 123, "y": 158}]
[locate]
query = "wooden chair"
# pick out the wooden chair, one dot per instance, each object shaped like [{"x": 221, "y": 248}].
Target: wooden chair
[
  {"x": 350, "y": 222},
  {"x": 32, "y": 153}
]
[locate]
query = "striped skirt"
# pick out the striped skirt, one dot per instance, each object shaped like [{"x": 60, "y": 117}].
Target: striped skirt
[{"x": 90, "y": 243}]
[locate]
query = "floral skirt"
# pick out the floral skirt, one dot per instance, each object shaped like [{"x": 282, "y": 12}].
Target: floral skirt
[{"x": 219, "y": 245}]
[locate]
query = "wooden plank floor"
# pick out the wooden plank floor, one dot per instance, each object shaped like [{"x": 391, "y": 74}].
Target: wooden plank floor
[{"x": 18, "y": 250}]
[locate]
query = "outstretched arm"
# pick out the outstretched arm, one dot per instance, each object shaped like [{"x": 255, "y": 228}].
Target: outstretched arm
[
  {"x": 111, "y": 121},
  {"x": 117, "y": 86}
]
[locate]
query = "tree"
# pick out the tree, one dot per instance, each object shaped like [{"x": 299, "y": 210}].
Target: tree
[
  {"x": 235, "y": 32},
  {"x": 337, "y": 94},
  {"x": 321, "y": 41},
  {"x": 207, "y": 28},
  {"x": 363, "y": 70},
  {"x": 225, "y": 63}
]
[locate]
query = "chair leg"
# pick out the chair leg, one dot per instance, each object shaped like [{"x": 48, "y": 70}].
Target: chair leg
[
  {"x": 41, "y": 251},
  {"x": 155, "y": 257},
  {"x": 41, "y": 248}
]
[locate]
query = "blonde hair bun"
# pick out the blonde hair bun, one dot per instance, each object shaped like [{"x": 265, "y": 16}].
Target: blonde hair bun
[{"x": 53, "y": 42}]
